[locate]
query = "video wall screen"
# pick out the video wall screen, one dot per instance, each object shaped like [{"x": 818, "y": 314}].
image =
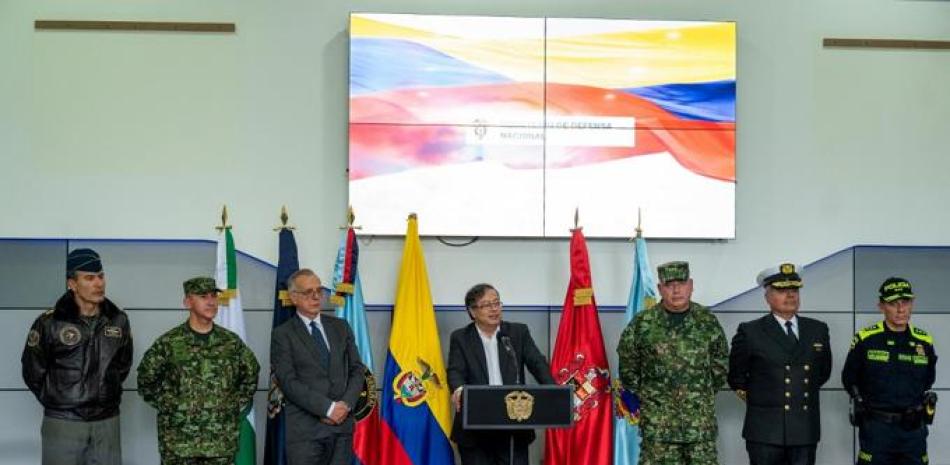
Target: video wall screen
[{"x": 502, "y": 126}]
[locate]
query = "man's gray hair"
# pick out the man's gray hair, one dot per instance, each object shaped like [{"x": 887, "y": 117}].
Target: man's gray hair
[{"x": 292, "y": 279}]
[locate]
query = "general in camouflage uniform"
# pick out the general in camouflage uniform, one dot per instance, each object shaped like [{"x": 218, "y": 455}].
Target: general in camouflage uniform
[
  {"x": 674, "y": 356},
  {"x": 201, "y": 378}
]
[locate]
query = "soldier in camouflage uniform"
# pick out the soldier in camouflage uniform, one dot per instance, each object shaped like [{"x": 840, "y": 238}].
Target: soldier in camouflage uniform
[
  {"x": 201, "y": 378},
  {"x": 674, "y": 356}
]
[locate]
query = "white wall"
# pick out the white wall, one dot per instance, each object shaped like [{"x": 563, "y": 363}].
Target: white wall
[{"x": 145, "y": 135}]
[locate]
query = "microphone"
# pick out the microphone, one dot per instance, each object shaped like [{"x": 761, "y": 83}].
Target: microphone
[{"x": 506, "y": 341}]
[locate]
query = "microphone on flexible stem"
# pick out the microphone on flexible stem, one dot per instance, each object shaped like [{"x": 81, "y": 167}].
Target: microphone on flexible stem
[{"x": 506, "y": 341}]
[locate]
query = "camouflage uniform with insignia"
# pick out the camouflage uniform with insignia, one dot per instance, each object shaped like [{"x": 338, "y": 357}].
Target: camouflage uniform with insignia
[
  {"x": 676, "y": 370},
  {"x": 201, "y": 385}
]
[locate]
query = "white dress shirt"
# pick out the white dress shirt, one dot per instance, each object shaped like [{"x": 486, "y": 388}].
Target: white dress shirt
[
  {"x": 781, "y": 322},
  {"x": 490, "y": 344}
]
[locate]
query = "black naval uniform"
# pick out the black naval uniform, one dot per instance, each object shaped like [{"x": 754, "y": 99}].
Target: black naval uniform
[
  {"x": 781, "y": 378},
  {"x": 891, "y": 371}
]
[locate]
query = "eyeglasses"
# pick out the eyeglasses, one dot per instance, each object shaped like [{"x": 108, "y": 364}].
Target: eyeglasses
[
  {"x": 487, "y": 305},
  {"x": 310, "y": 293}
]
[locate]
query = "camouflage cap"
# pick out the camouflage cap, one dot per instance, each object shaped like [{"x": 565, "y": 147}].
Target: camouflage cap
[
  {"x": 894, "y": 289},
  {"x": 200, "y": 285},
  {"x": 673, "y": 271},
  {"x": 784, "y": 276}
]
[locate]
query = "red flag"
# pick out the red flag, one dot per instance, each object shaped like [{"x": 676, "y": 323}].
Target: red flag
[{"x": 580, "y": 361}]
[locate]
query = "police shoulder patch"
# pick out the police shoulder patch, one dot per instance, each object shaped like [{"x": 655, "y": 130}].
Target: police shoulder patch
[
  {"x": 876, "y": 328},
  {"x": 921, "y": 335}
]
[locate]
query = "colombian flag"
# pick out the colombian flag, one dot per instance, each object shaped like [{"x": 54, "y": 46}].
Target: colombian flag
[{"x": 416, "y": 409}]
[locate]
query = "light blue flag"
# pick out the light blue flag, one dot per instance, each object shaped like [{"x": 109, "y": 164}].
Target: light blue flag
[{"x": 626, "y": 403}]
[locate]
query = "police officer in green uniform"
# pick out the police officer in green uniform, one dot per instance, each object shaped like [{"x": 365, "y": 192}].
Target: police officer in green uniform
[
  {"x": 201, "y": 378},
  {"x": 76, "y": 357},
  {"x": 888, "y": 372},
  {"x": 674, "y": 357}
]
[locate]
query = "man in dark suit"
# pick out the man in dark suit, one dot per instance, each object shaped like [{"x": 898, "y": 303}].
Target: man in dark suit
[
  {"x": 318, "y": 369},
  {"x": 494, "y": 352},
  {"x": 777, "y": 365}
]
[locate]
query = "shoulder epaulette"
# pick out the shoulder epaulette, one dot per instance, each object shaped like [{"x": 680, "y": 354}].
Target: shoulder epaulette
[
  {"x": 876, "y": 328},
  {"x": 921, "y": 335}
]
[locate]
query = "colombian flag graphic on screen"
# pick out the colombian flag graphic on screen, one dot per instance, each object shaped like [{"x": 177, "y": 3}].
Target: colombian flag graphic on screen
[{"x": 524, "y": 95}]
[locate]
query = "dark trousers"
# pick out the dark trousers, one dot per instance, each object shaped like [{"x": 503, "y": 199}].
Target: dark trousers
[
  {"x": 330, "y": 450},
  {"x": 494, "y": 453},
  {"x": 888, "y": 443},
  {"x": 67, "y": 442},
  {"x": 769, "y": 454}
]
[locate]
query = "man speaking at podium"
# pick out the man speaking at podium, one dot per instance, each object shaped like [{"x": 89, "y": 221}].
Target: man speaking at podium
[{"x": 494, "y": 352}]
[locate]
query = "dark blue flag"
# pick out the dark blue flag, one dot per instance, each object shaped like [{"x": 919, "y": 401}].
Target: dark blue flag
[{"x": 275, "y": 451}]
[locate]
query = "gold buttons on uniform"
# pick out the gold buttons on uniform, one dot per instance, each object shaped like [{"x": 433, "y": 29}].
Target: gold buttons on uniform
[
  {"x": 804, "y": 407},
  {"x": 788, "y": 367},
  {"x": 787, "y": 407},
  {"x": 788, "y": 381},
  {"x": 807, "y": 367},
  {"x": 806, "y": 394},
  {"x": 806, "y": 380},
  {"x": 788, "y": 394}
]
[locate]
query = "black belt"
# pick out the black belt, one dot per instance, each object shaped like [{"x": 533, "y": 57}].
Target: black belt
[
  {"x": 885, "y": 416},
  {"x": 910, "y": 419}
]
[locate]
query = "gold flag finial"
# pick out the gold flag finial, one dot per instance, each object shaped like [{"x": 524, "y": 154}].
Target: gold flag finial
[
  {"x": 224, "y": 219},
  {"x": 350, "y": 219},
  {"x": 412, "y": 216},
  {"x": 284, "y": 218}
]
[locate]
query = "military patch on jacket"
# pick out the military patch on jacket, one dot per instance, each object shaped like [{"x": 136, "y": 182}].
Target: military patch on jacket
[
  {"x": 33, "y": 339},
  {"x": 70, "y": 335},
  {"x": 113, "y": 331}
]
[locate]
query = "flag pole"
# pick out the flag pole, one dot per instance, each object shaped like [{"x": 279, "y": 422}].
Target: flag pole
[{"x": 639, "y": 229}]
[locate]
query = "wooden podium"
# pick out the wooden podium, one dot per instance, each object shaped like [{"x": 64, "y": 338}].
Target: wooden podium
[{"x": 517, "y": 406}]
